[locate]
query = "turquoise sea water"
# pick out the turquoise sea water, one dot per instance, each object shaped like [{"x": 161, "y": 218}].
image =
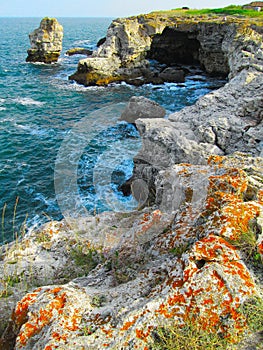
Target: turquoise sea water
[{"x": 39, "y": 108}]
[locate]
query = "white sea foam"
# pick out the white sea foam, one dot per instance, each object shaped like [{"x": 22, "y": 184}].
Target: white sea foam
[
  {"x": 2, "y": 108},
  {"x": 27, "y": 101},
  {"x": 77, "y": 87},
  {"x": 34, "y": 130},
  {"x": 82, "y": 42}
]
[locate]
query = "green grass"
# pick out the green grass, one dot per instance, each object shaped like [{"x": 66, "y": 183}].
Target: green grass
[
  {"x": 86, "y": 258},
  {"x": 231, "y": 10},
  {"x": 192, "y": 336}
]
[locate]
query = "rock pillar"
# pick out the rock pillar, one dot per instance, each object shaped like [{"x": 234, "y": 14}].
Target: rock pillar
[{"x": 46, "y": 41}]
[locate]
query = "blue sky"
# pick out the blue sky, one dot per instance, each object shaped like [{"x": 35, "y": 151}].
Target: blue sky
[{"x": 98, "y": 8}]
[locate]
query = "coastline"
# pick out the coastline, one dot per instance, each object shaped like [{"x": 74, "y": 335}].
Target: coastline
[{"x": 111, "y": 279}]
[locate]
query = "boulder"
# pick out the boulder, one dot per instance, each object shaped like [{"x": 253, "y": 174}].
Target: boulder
[
  {"x": 46, "y": 42},
  {"x": 141, "y": 107},
  {"x": 172, "y": 75},
  {"x": 79, "y": 51}
]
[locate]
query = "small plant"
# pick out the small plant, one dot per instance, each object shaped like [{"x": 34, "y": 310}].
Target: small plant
[
  {"x": 8, "y": 282},
  {"x": 190, "y": 336},
  {"x": 87, "y": 258},
  {"x": 180, "y": 249},
  {"x": 43, "y": 237},
  {"x": 88, "y": 330},
  {"x": 98, "y": 300},
  {"x": 252, "y": 309},
  {"x": 246, "y": 242}
]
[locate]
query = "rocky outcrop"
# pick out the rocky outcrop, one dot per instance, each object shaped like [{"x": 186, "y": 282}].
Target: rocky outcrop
[
  {"x": 195, "y": 255},
  {"x": 219, "y": 46},
  {"x": 224, "y": 121},
  {"x": 186, "y": 260},
  {"x": 79, "y": 51},
  {"x": 46, "y": 41},
  {"x": 141, "y": 107}
]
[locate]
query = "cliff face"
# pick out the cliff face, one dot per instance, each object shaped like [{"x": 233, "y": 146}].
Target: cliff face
[{"x": 221, "y": 47}]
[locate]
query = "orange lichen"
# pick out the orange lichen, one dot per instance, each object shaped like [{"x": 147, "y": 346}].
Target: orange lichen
[
  {"x": 215, "y": 160},
  {"x": 20, "y": 314},
  {"x": 149, "y": 220},
  {"x": 35, "y": 325},
  {"x": 140, "y": 334},
  {"x": 129, "y": 324},
  {"x": 108, "y": 332}
]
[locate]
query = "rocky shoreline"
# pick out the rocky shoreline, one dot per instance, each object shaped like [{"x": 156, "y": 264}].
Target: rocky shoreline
[{"x": 194, "y": 251}]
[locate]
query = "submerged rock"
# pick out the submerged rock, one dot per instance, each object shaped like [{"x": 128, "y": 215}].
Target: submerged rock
[
  {"x": 46, "y": 42},
  {"x": 141, "y": 107},
  {"x": 79, "y": 51},
  {"x": 172, "y": 74}
]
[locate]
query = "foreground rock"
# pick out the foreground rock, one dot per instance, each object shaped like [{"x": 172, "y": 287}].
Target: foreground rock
[
  {"x": 142, "y": 269},
  {"x": 46, "y": 42},
  {"x": 141, "y": 107}
]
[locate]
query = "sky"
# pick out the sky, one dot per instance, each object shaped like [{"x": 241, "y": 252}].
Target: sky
[{"x": 99, "y": 8}]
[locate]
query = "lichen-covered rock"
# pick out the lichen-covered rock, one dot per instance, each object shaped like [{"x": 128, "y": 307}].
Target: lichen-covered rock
[
  {"x": 182, "y": 261},
  {"x": 46, "y": 41},
  {"x": 141, "y": 107}
]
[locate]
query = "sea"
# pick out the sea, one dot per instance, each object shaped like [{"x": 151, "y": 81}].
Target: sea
[{"x": 63, "y": 150}]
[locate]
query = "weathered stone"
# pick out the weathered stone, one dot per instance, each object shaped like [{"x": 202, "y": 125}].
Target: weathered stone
[
  {"x": 141, "y": 107},
  {"x": 222, "y": 122},
  {"x": 79, "y": 51},
  {"x": 172, "y": 75},
  {"x": 220, "y": 47},
  {"x": 157, "y": 265},
  {"x": 46, "y": 41}
]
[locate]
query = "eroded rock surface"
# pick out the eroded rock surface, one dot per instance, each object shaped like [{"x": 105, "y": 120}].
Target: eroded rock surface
[
  {"x": 150, "y": 266},
  {"x": 79, "y": 51},
  {"x": 141, "y": 107},
  {"x": 46, "y": 42},
  {"x": 219, "y": 46}
]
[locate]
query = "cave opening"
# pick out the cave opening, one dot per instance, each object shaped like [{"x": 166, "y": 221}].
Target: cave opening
[
  {"x": 179, "y": 47},
  {"x": 174, "y": 47}
]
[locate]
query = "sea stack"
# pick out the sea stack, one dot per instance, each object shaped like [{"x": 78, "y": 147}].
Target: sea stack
[{"x": 46, "y": 42}]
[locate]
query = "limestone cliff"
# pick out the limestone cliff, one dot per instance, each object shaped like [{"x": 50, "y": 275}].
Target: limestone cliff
[
  {"x": 220, "y": 46},
  {"x": 46, "y": 42}
]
